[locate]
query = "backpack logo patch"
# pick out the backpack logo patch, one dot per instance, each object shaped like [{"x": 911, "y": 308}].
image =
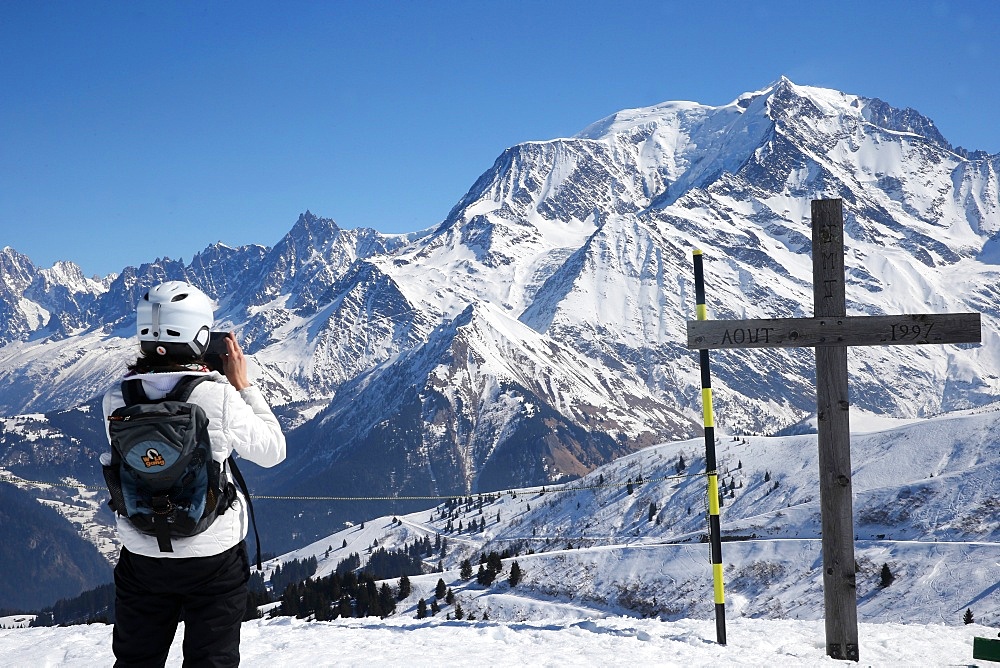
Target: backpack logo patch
[
  {"x": 150, "y": 456},
  {"x": 153, "y": 458}
]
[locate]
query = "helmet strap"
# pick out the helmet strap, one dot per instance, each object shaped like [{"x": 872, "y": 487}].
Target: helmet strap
[{"x": 200, "y": 342}]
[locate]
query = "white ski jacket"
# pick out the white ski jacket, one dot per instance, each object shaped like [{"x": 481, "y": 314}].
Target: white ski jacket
[{"x": 240, "y": 421}]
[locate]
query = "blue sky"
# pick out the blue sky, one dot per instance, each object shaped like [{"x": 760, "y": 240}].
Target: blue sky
[{"x": 136, "y": 130}]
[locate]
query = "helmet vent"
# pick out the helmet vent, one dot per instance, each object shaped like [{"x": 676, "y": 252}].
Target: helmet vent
[
  {"x": 173, "y": 332},
  {"x": 177, "y": 298},
  {"x": 145, "y": 330}
]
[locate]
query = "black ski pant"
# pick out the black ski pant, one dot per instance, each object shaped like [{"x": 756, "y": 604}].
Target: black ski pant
[{"x": 153, "y": 594}]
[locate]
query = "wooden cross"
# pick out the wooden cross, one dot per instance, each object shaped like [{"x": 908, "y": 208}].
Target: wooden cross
[{"x": 830, "y": 332}]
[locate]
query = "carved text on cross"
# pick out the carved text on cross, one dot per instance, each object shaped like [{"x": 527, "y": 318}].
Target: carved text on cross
[{"x": 914, "y": 329}]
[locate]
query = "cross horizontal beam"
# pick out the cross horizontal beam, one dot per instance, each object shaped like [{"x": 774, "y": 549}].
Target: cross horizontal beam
[{"x": 911, "y": 329}]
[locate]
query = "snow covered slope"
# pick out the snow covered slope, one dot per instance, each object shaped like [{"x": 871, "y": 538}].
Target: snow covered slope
[{"x": 926, "y": 505}]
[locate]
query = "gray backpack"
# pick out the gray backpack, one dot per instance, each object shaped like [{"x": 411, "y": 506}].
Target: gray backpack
[{"x": 162, "y": 476}]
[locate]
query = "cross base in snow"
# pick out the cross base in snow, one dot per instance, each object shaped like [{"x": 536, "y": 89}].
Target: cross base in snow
[{"x": 830, "y": 332}]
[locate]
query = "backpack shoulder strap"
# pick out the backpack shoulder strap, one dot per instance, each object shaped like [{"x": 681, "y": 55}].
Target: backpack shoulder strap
[
  {"x": 133, "y": 392},
  {"x": 235, "y": 470},
  {"x": 182, "y": 390}
]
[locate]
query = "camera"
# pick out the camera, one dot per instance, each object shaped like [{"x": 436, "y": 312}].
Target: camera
[{"x": 216, "y": 349}]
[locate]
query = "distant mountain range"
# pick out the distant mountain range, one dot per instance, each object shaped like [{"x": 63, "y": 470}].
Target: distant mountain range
[{"x": 538, "y": 331}]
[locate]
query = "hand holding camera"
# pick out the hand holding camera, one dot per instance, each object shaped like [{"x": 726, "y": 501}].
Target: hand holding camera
[{"x": 225, "y": 356}]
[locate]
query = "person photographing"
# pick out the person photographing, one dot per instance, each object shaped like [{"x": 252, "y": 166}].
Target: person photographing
[{"x": 173, "y": 426}]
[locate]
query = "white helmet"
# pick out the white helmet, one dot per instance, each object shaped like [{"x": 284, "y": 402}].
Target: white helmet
[{"x": 174, "y": 318}]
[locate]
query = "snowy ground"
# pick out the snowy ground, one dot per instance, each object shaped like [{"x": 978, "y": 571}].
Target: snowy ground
[{"x": 611, "y": 641}]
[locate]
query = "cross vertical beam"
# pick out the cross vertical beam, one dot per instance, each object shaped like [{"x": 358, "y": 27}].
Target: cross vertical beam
[{"x": 833, "y": 414}]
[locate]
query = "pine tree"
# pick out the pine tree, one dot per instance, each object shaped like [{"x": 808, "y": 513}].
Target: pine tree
[
  {"x": 466, "y": 571},
  {"x": 363, "y": 600},
  {"x": 386, "y": 605},
  {"x": 449, "y": 597},
  {"x": 967, "y": 617},
  {"x": 345, "y": 608},
  {"x": 441, "y": 589},
  {"x": 681, "y": 464},
  {"x": 886, "y": 576},
  {"x": 515, "y": 574},
  {"x": 485, "y": 576},
  {"x": 404, "y": 587},
  {"x": 421, "y": 609},
  {"x": 652, "y": 511},
  {"x": 459, "y": 613},
  {"x": 435, "y": 608},
  {"x": 494, "y": 563}
]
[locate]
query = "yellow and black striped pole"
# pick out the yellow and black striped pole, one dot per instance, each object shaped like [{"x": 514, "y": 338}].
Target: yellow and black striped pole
[{"x": 714, "y": 526}]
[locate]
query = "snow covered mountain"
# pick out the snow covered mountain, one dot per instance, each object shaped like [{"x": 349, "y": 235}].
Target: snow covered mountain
[{"x": 538, "y": 331}]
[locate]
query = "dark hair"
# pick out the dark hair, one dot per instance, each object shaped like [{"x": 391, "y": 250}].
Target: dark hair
[{"x": 151, "y": 362}]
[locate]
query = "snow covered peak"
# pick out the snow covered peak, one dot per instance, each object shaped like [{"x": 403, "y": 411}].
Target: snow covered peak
[
  {"x": 679, "y": 124},
  {"x": 70, "y": 276},
  {"x": 908, "y": 121},
  {"x": 16, "y": 270},
  {"x": 311, "y": 227},
  {"x": 630, "y": 120}
]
